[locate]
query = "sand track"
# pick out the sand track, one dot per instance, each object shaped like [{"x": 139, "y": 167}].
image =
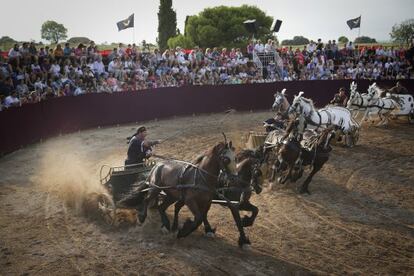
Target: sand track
[{"x": 359, "y": 218}]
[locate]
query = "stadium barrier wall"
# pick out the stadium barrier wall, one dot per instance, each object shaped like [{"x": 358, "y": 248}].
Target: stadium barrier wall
[{"x": 31, "y": 123}]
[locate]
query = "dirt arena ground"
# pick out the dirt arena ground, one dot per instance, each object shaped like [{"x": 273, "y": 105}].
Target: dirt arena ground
[{"x": 359, "y": 218}]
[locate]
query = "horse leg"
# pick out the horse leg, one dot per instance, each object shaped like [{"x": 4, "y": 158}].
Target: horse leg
[
  {"x": 386, "y": 119},
  {"x": 305, "y": 185},
  {"x": 274, "y": 171},
  {"x": 243, "y": 239},
  {"x": 287, "y": 176},
  {"x": 177, "y": 207},
  {"x": 152, "y": 194},
  {"x": 381, "y": 122},
  {"x": 210, "y": 232},
  {"x": 363, "y": 118},
  {"x": 164, "y": 218},
  {"x": 247, "y": 206},
  {"x": 189, "y": 225}
]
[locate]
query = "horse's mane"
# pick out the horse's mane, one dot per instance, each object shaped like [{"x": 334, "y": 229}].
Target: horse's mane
[
  {"x": 379, "y": 91},
  {"x": 245, "y": 154},
  {"x": 248, "y": 153},
  {"x": 209, "y": 152},
  {"x": 309, "y": 101},
  {"x": 198, "y": 159}
]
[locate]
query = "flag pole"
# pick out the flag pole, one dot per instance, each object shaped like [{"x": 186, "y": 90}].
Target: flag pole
[
  {"x": 133, "y": 34},
  {"x": 359, "y": 29}
]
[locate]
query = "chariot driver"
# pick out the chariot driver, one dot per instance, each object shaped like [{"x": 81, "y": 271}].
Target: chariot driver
[
  {"x": 340, "y": 99},
  {"x": 398, "y": 89},
  {"x": 295, "y": 129},
  {"x": 139, "y": 148}
]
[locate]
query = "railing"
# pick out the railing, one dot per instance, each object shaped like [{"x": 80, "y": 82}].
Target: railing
[{"x": 264, "y": 59}]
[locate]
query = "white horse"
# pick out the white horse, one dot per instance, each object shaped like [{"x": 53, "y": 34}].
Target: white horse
[
  {"x": 281, "y": 103},
  {"x": 357, "y": 102},
  {"x": 383, "y": 107},
  {"x": 331, "y": 115}
]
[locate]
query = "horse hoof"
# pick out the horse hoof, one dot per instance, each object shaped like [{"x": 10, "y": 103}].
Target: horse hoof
[
  {"x": 280, "y": 180},
  {"x": 164, "y": 230},
  {"x": 210, "y": 235},
  {"x": 246, "y": 247}
]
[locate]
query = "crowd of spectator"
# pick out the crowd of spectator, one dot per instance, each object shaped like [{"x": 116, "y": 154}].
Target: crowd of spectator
[
  {"x": 29, "y": 74},
  {"x": 319, "y": 61}
]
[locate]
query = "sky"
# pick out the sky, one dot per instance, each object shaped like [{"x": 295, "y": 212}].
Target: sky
[{"x": 325, "y": 19}]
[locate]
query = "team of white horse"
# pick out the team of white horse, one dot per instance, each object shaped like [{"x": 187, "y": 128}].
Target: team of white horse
[
  {"x": 345, "y": 117},
  {"x": 328, "y": 116},
  {"x": 371, "y": 103}
]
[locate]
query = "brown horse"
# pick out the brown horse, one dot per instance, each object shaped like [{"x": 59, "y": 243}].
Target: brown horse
[
  {"x": 193, "y": 184},
  {"x": 287, "y": 152},
  {"x": 315, "y": 154},
  {"x": 236, "y": 192}
]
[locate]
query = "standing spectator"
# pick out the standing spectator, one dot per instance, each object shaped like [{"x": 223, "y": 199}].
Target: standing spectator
[
  {"x": 250, "y": 49},
  {"x": 259, "y": 47},
  {"x": 269, "y": 48}
]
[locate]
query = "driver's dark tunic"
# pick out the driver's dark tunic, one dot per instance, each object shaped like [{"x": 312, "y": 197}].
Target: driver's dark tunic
[
  {"x": 137, "y": 152},
  {"x": 339, "y": 100}
]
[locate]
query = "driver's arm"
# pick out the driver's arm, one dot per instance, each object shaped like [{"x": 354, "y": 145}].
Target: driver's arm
[{"x": 149, "y": 144}]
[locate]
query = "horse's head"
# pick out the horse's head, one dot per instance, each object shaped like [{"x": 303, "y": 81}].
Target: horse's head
[
  {"x": 372, "y": 91},
  {"x": 353, "y": 87},
  {"x": 226, "y": 156},
  {"x": 250, "y": 171},
  {"x": 296, "y": 106},
  {"x": 279, "y": 100}
]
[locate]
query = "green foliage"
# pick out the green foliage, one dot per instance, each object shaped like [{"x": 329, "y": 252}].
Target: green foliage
[
  {"x": 364, "y": 39},
  {"x": 167, "y": 23},
  {"x": 297, "y": 40},
  {"x": 6, "y": 43},
  {"x": 403, "y": 32},
  {"x": 76, "y": 40},
  {"x": 53, "y": 31},
  {"x": 182, "y": 41},
  {"x": 223, "y": 26},
  {"x": 343, "y": 39},
  {"x": 6, "y": 39}
]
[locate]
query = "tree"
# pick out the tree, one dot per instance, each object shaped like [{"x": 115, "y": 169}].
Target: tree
[
  {"x": 7, "y": 40},
  {"x": 365, "y": 39},
  {"x": 297, "y": 40},
  {"x": 180, "y": 40},
  {"x": 343, "y": 39},
  {"x": 78, "y": 40},
  {"x": 167, "y": 23},
  {"x": 404, "y": 32},
  {"x": 223, "y": 26},
  {"x": 53, "y": 31}
]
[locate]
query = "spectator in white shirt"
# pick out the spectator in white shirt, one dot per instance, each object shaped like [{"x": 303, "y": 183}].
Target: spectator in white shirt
[
  {"x": 55, "y": 69},
  {"x": 259, "y": 47},
  {"x": 269, "y": 48},
  {"x": 98, "y": 67},
  {"x": 14, "y": 52},
  {"x": 12, "y": 100}
]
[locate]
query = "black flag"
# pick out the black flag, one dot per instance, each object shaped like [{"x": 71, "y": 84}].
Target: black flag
[
  {"x": 127, "y": 23},
  {"x": 354, "y": 23}
]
